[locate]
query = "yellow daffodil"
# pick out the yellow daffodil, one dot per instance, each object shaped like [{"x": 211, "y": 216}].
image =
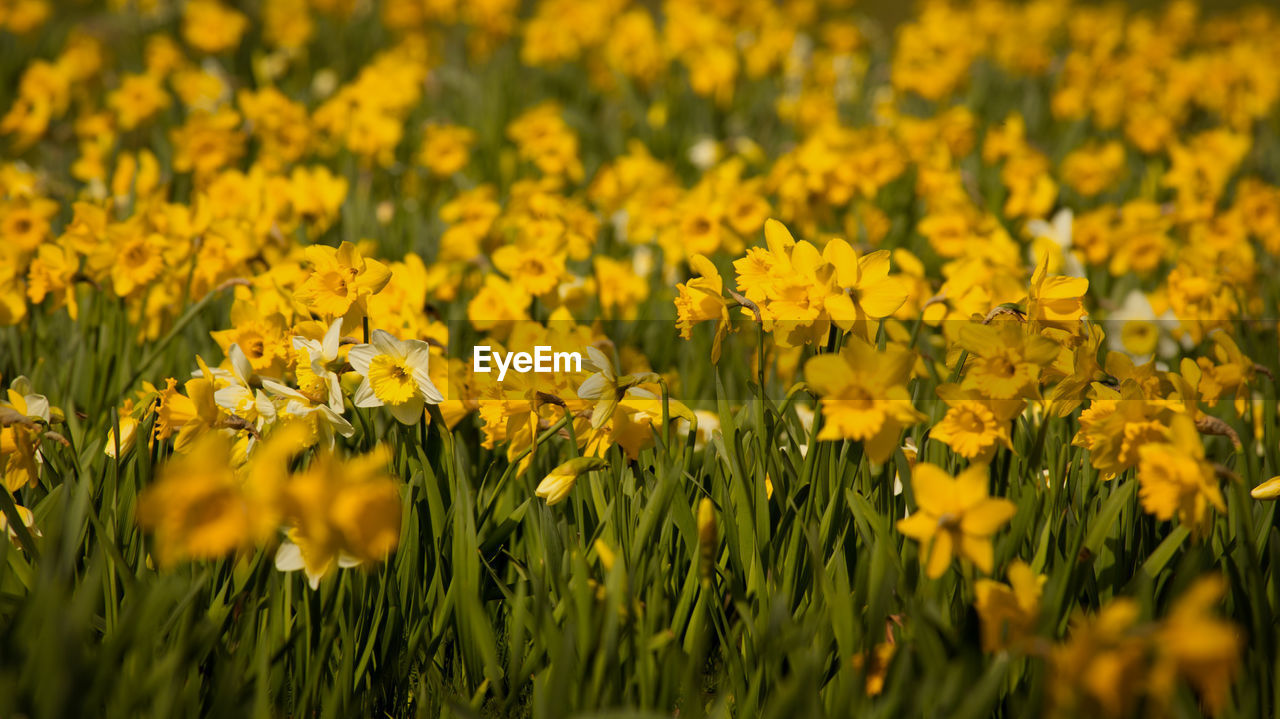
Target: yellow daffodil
[
  {"x": 1101, "y": 665},
  {"x": 635, "y": 420},
  {"x": 190, "y": 415},
  {"x": 939, "y": 280},
  {"x": 701, "y": 299},
  {"x": 956, "y": 517},
  {"x": 1079, "y": 368},
  {"x": 1195, "y": 644},
  {"x": 1056, "y": 302},
  {"x": 868, "y": 292},
  {"x": 533, "y": 268},
  {"x": 1111, "y": 661},
  {"x": 445, "y": 149},
  {"x": 341, "y": 508},
  {"x": 136, "y": 262},
  {"x": 197, "y": 509},
  {"x": 791, "y": 284},
  {"x": 341, "y": 280},
  {"x": 864, "y": 395},
  {"x": 1009, "y": 612},
  {"x": 1177, "y": 481},
  {"x": 1228, "y": 374},
  {"x": 1094, "y": 168},
  {"x": 262, "y": 338},
  {"x": 544, "y": 139},
  {"x": 498, "y": 306},
  {"x": 800, "y": 292},
  {"x": 1005, "y": 361},
  {"x": 974, "y": 425},
  {"x": 52, "y": 274},
  {"x": 210, "y": 26},
  {"x": 1118, "y": 423}
]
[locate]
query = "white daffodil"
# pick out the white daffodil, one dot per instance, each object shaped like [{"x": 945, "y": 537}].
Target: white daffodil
[
  {"x": 1055, "y": 236},
  {"x": 605, "y": 387},
  {"x": 33, "y": 406},
  {"x": 30, "y": 405},
  {"x": 704, "y": 429},
  {"x": 1135, "y": 330},
  {"x": 289, "y": 558},
  {"x": 292, "y": 404},
  {"x": 315, "y": 363},
  {"x": 28, "y": 521},
  {"x": 395, "y": 375},
  {"x": 705, "y": 152},
  {"x": 237, "y": 397}
]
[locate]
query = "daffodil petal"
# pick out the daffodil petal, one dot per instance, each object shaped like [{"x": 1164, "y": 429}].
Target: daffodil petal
[
  {"x": 988, "y": 517},
  {"x": 979, "y": 551},
  {"x": 940, "y": 551}
]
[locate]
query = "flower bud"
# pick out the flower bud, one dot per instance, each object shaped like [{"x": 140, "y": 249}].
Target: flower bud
[
  {"x": 1269, "y": 489},
  {"x": 707, "y": 544},
  {"x": 556, "y": 485}
]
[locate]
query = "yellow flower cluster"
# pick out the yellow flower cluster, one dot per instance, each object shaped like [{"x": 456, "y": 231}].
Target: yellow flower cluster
[
  {"x": 336, "y": 512},
  {"x": 1023, "y": 226},
  {"x": 1110, "y": 661}
]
